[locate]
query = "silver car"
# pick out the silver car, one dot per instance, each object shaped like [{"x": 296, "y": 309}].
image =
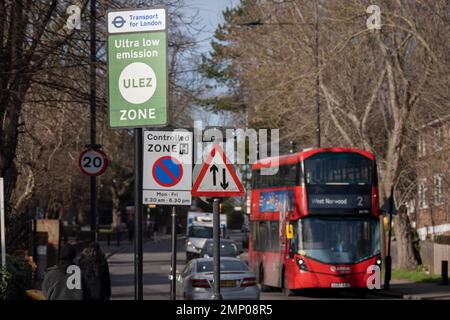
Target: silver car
[{"x": 237, "y": 282}]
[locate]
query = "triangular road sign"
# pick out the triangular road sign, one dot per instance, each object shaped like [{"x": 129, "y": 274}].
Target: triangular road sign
[{"x": 217, "y": 177}]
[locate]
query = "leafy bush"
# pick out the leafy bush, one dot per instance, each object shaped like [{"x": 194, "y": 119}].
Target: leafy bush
[
  {"x": 5, "y": 277},
  {"x": 16, "y": 279}
]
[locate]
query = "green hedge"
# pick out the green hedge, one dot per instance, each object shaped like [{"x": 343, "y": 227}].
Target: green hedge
[{"x": 15, "y": 280}]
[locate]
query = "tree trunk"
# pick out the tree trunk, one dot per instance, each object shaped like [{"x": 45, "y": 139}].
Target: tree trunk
[
  {"x": 405, "y": 250},
  {"x": 8, "y": 144}
]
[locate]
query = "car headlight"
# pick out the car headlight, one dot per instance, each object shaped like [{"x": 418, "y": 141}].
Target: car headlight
[{"x": 189, "y": 243}]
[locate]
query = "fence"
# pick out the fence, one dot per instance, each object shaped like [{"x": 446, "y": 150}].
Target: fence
[{"x": 432, "y": 254}]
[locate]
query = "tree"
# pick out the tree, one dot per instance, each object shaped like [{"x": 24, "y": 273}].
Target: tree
[
  {"x": 377, "y": 86},
  {"x": 50, "y": 126}
]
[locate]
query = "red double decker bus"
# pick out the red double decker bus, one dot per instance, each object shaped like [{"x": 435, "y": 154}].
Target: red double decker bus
[{"x": 315, "y": 219}]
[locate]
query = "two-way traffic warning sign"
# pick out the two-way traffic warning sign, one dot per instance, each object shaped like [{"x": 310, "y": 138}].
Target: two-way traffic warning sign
[{"x": 217, "y": 177}]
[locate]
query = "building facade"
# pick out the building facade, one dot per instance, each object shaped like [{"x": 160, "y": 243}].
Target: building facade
[{"x": 432, "y": 207}]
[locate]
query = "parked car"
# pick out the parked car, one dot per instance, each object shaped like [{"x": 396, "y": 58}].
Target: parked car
[
  {"x": 228, "y": 248},
  {"x": 237, "y": 282}
]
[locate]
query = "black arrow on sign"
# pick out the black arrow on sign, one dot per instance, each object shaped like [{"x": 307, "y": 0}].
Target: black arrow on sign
[
  {"x": 214, "y": 170},
  {"x": 224, "y": 183}
]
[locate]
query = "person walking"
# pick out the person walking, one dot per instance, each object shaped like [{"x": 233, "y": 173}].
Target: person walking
[
  {"x": 95, "y": 271},
  {"x": 59, "y": 284}
]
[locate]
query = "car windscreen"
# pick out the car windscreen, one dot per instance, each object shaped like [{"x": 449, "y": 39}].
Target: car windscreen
[
  {"x": 225, "y": 265},
  {"x": 228, "y": 249},
  {"x": 200, "y": 232}
]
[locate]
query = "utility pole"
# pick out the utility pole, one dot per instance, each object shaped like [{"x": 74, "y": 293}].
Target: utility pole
[
  {"x": 316, "y": 61},
  {"x": 93, "y": 107}
]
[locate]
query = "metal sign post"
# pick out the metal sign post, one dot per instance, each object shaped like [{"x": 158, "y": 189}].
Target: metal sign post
[
  {"x": 216, "y": 252},
  {"x": 173, "y": 271},
  {"x": 93, "y": 111},
  {"x": 138, "y": 249},
  {"x": 2, "y": 223}
]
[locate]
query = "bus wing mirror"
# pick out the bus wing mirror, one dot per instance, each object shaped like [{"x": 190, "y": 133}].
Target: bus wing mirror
[{"x": 289, "y": 231}]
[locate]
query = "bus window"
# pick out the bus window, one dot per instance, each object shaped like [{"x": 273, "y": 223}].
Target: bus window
[
  {"x": 286, "y": 176},
  {"x": 330, "y": 168}
]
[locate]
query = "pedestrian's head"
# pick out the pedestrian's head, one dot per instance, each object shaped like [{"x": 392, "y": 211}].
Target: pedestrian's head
[
  {"x": 67, "y": 253},
  {"x": 94, "y": 246}
]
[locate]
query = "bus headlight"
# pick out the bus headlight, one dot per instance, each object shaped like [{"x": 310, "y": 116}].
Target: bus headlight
[
  {"x": 378, "y": 262},
  {"x": 302, "y": 265}
]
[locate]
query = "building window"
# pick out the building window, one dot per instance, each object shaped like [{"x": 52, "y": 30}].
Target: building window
[
  {"x": 438, "y": 190},
  {"x": 422, "y": 146},
  {"x": 438, "y": 138},
  {"x": 422, "y": 189}
]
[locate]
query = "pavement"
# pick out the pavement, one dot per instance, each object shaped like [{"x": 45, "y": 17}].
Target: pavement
[{"x": 408, "y": 290}]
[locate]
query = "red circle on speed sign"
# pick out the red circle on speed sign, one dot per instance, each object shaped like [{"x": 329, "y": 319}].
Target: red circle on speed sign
[{"x": 93, "y": 162}]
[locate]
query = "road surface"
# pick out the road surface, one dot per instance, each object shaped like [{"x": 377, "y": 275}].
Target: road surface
[{"x": 157, "y": 269}]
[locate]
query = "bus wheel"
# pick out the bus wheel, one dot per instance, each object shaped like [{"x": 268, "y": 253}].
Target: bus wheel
[
  {"x": 286, "y": 291},
  {"x": 262, "y": 286}
]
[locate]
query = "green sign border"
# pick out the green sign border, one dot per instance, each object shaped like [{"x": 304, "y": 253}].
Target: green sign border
[{"x": 162, "y": 125}]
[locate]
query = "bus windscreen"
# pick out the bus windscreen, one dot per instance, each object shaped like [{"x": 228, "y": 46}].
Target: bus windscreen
[{"x": 333, "y": 240}]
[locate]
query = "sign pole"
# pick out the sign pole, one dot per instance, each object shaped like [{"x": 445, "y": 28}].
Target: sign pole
[
  {"x": 2, "y": 223},
  {"x": 138, "y": 250},
  {"x": 93, "y": 74},
  {"x": 173, "y": 288},
  {"x": 216, "y": 254}
]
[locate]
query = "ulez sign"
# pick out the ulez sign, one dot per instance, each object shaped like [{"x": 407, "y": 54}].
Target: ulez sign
[{"x": 137, "y": 68}]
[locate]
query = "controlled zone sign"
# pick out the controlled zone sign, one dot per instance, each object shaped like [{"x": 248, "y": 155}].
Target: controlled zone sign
[
  {"x": 167, "y": 167},
  {"x": 137, "y": 68},
  {"x": 217, "y": 177},
  {"x": 93, "y": 162}
]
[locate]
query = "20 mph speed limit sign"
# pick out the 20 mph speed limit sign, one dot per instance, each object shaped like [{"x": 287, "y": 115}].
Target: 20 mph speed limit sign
[{"x": 93, "y": 162}]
